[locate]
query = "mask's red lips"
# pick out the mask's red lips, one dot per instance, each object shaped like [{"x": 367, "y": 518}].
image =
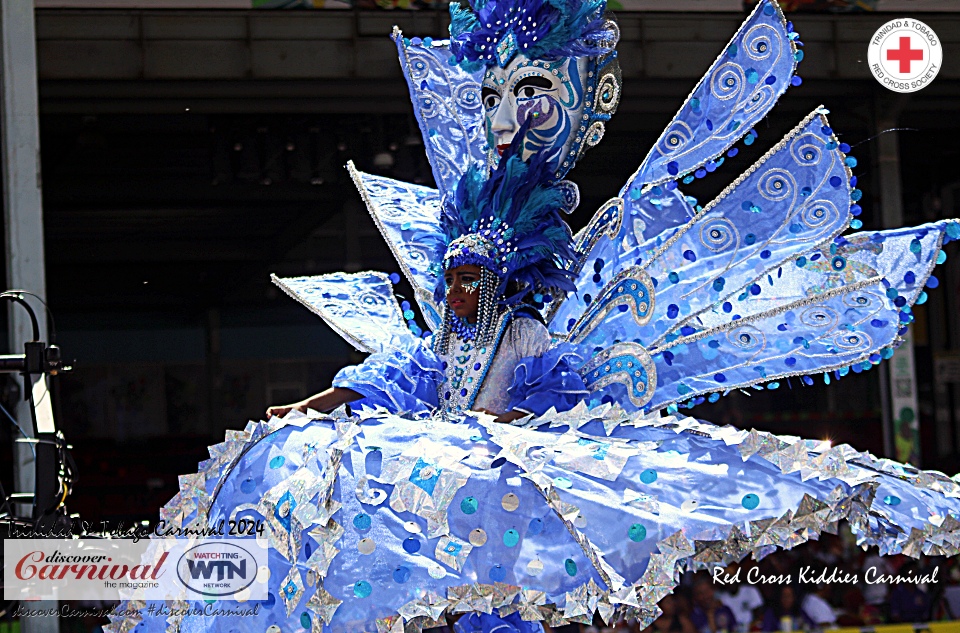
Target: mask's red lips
[{"x": 502, "y": 148}]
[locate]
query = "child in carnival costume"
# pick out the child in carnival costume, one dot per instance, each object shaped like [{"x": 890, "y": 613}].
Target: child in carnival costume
[{"x": 528, "y": 462}]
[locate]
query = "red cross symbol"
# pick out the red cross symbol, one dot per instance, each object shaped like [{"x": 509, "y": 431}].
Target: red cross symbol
[{"x": 905, "y": 54}]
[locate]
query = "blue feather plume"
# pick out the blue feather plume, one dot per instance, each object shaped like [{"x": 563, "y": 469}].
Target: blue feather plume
[
  {"x": 522, "y": 196},
  {"x": 542, "y": 29}
]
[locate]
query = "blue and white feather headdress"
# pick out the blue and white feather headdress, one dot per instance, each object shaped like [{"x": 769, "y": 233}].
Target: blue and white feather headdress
[
  {"x": 494, "y": 31},
  {"x": 510, "y": 224}
]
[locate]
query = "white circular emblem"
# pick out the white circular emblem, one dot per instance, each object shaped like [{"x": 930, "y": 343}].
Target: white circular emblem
[{"x": 905, "y": 55}]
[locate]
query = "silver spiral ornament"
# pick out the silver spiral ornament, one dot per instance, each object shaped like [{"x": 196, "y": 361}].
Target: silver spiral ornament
[
  {"x": 777, "y": 184},
  {"x": 819, "y": 317},
  {"x": 817, "y": 213},
  {"x": 806, "y": 150},
  {"x": 863, "y": 300},
  {"x": 761, "y": 42},
  {"x": 675, "y": 139},
  {"x": 727, "y": 81},
  {"x": 747, "y": 338},
  {"x": 607, "y": 93},
  {"x": 719, "y": 234},
  {"x": 852, "y": 341}
]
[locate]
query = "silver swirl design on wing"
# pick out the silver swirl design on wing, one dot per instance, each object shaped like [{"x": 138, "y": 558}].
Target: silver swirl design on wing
[
  {"x": 855, "y": 341},
  {"x": 819, "y": 317},
  {"x": 719, "y": 234},
  {"x": 806, "y": 150},
  {"x": 747, "y": 338},
  {"x": 430, "y": 105},
  {"x": 676, "y": 138},
  {"x": 467, "y": 96},
  {"x": 862, "y": 300},
  {"x": 419, "y": 66},
  {"x": 727, "y": 81},
  {"x": 761, "y": 42},
  {"x": 777, "y": 184},
  {"x": 818, "y": 213},
  {"x": 370, "y": 299},
  {"x": 418, "y": 257},
  {"x": 762, "y": 98}
]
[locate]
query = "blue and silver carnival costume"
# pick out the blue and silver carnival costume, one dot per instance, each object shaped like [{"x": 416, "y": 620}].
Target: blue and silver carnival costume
[{"x": 411, "y": 508}]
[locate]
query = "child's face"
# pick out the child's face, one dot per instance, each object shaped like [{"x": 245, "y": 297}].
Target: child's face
[{"x": 463, "y": 291}]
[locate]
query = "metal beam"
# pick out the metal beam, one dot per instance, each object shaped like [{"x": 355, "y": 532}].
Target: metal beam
[{"x": 22, "y": 212}]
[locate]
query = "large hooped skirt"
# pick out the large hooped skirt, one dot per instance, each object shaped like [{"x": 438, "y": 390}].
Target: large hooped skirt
[{"x": 374, "y": 522}]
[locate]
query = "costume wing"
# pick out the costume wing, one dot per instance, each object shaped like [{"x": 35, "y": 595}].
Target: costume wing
[
  {"x": 360, "y": 307},
  {"x": 610, "y": 243},
  {"x": 742, "y": 85},
  {"x": 446, "y": 101},
  {"x": 408, "y": 218},
  {"x": 795, "y": 196},
  {"x": 758, "y": 286},
  {"x": 838, "y": 311}
]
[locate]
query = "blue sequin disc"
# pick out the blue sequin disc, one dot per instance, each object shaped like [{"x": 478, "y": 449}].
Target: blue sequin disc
[
  {"x": 401, "y": 574},
  {"x": 362, "y": 521},
  {"x": 637, "y": 532},
  {"x": 469, "y": 505},
  {"x": 362, "y": 589}
]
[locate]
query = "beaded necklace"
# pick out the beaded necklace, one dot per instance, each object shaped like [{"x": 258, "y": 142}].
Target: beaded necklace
[
  {"x": 465, "y": 367},
  {"x": 464, "y": 330}
]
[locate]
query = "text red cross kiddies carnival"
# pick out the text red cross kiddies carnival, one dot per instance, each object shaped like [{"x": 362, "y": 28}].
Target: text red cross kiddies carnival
[{"x": 905, "y": 54}]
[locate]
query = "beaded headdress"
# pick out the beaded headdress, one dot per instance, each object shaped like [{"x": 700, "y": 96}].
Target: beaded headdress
[{"x": 510, "y": 225}]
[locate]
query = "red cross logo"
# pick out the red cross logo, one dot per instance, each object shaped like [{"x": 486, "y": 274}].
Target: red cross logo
[{"x": 905, "y": 54}]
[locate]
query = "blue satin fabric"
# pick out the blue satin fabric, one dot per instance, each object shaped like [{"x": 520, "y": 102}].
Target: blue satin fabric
[
  {"x": 548, "y": 381},
  {"x": 493, "y": 623},
  {"x": 399, "y": 381},
  {"x": 405, "y": 380}
]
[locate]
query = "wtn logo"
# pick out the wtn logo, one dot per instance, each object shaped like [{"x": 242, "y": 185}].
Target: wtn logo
[
  {"x": 223, "y": 568},
  {"x": 218, "y": 568}
]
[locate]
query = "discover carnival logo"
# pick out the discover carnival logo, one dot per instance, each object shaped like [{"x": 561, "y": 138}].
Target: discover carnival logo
[
  {"x": 905, "y": 55},
  {"x": 149, "y": 569}
]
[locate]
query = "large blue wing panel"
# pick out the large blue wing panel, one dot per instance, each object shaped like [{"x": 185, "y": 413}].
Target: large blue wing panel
[
  {"x": 446, "y": 101},
  {"x": 408, "y": 218},
  {"x": 832, "y": 324},
  {"x": 611, "y": 243},
  {"x": 794, "y": 197},
  {"x": 902, "y": 257},
  {"x": 360, "y": 307},
  {"x": 741, "y": 86}
]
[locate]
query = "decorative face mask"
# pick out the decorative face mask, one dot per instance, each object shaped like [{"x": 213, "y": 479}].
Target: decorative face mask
[
  {"x": 548, "y": 63},
  {"x": 552, "y": 95}
]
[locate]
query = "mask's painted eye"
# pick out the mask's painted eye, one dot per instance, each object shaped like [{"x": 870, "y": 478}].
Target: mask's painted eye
[
  {"x": 489, "y": 97},
  {"x": 527, "y": 87}
]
